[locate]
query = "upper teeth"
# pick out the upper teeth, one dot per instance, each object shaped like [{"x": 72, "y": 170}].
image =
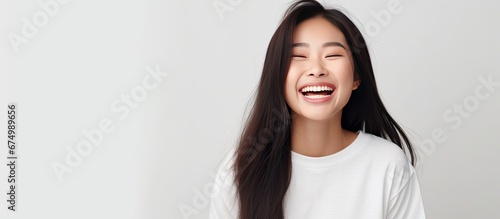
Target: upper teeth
[{"x": 316, "y": 88}]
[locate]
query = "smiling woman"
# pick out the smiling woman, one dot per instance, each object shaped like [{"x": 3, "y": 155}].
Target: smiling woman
[{"x": 340, "y": 154}]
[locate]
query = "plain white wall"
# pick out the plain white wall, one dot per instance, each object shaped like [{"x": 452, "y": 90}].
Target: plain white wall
[{"x": 431, "y": 58}]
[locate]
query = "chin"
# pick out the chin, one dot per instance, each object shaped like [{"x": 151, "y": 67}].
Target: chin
[{"x": 317, "y": 116}]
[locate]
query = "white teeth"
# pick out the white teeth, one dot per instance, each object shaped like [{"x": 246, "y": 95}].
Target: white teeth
[
  {"x": 316, "y": 96},
  {"x": 316, "y": 89}
]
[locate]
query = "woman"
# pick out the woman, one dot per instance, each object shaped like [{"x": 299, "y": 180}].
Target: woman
[{"x": 318, "y": 143}]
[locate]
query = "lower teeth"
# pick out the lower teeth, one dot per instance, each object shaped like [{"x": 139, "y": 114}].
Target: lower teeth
[{"x": 316, "y": 96}]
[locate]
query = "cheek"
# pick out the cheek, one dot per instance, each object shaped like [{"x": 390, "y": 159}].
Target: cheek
[
  {"x": 290, "y": 87},
  {"x": 343, "y": 72}
]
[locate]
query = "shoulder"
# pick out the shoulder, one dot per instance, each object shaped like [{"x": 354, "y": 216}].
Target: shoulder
[
  {"x": 225, "y": 173},
  {"x": 389, "y": 158},
  {"x": 383, "y": 150},
  {"x": 223, "y": 203},
  {"x": 400, "y": 186}
]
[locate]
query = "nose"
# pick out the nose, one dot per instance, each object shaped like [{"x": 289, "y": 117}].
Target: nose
[{"x": 316, "y": 69}]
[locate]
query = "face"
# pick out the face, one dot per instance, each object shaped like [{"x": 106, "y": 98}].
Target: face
[{"x": 320, "y": 80}]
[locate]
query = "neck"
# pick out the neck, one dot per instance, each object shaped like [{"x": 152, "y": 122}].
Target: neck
[{"x": 319, "y": 138}]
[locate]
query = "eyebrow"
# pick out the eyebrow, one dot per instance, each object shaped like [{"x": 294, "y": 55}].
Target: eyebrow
[{"x": 324, "y": 44}]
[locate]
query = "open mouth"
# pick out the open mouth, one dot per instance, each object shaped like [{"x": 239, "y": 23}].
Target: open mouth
[{"x": 317, "y": 92}]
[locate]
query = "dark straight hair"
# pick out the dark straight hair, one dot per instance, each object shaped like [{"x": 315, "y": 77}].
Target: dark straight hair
[{"x": 262, "y": 165}]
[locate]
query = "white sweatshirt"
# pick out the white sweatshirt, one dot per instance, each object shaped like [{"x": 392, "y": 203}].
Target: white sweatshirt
[{"x": 371, "y": 178}]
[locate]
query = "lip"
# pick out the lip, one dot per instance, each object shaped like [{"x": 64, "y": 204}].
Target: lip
[{"x": 319, "y": 100}]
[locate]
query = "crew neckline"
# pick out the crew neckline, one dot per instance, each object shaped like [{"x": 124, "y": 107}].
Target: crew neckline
[{"x": 335, "y": 158}]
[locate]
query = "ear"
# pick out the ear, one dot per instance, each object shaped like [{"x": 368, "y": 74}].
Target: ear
[{"x": 357, "y": 82}]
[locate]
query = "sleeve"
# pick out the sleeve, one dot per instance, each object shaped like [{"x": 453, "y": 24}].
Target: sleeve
[
  {"x": 407, "y": 203},
  {"x": 223, "y": 202}
]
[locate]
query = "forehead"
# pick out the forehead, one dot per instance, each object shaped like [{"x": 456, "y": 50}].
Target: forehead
[{"x": 317, "y": 30}]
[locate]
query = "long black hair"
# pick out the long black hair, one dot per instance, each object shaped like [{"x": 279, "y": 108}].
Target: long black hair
[{"x": 263, "y": 157}]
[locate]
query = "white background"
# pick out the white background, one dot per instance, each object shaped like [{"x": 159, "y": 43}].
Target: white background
[{"x": 429, "y": 57}]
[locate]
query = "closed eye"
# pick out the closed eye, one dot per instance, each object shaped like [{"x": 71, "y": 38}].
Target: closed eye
[
  {"x": 328, "y": 56},
  {"x": 300, "y": 56}
]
